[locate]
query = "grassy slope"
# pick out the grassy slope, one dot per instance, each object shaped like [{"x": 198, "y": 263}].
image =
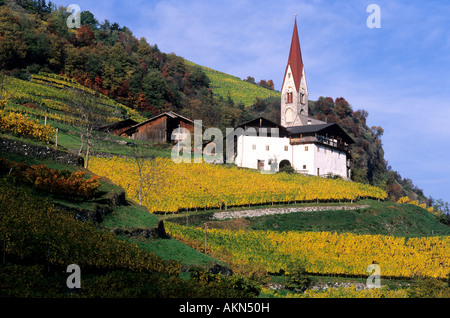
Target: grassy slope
[
  {"x": 385, "y": 218},
  {"x": 127, "y": 217},
  {"x": 240, "y": 91},
  {"x": 381, "y": 218}
]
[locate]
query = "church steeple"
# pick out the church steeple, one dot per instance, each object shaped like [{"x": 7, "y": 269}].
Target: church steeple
[
  {"x": 294, "y": 92},
  {"x": 295, "y": 60}
]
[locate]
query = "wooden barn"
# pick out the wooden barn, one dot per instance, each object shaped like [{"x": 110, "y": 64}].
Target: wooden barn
[
  {"x": 119, "y": 127},
  {"x": 159, "y": 128}
]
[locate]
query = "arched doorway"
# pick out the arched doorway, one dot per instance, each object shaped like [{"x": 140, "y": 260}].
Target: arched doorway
[{"x": 284, "y": 164}]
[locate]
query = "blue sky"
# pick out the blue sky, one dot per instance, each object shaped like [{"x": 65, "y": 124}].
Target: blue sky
[{"x": 399, "y": 73}]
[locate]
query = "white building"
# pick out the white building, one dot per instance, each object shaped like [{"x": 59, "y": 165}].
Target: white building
[{"x": 309, "y": 145}]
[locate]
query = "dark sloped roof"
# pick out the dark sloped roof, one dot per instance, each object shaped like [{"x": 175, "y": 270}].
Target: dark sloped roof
[
  {"x": 332, "y": 129},
  {"x": 171, "y": 114},
  {"x": 118, "y": 125},
  {"x": 262, "y": 122}
]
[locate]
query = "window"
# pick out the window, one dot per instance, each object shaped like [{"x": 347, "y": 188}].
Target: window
[
  {"x": 267, "y": 147},
  {"x": 306, "y": 148},
  {"x": 304, "y": 167},
  {"x": 286, "y": 148},
  {"x": 289, "y": 75},
  {"x": 289, "y": 98},
  {"x": 289, "y": 115},
  {"x": 254, "y": 147}
]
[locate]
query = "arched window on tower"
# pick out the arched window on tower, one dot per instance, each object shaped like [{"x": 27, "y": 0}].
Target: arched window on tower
[
  {"x": 289, "y": 98},
  {"x": 289, "y": 115},
  {"x": 302, "y": 98}
]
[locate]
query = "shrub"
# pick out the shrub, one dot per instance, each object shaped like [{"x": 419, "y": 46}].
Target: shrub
[
  {"x": 58, "y": 182},
  {"x": 428, "y": 288},
  {"x": 297, "y": 280},
  {"x": 19, "y": 125}
]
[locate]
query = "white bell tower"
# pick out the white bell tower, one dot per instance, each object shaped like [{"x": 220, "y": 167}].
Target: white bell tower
[{"x": 294, "y": 92}]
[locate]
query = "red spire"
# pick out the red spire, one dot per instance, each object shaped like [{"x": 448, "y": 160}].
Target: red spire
[{"x": 295, "y": 58}]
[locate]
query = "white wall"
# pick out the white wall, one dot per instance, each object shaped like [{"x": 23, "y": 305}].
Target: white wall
[
  {"x": 332, "y": 161},
  {"x": 303, "y": 157},
  {"x": 248, "y": 157}
]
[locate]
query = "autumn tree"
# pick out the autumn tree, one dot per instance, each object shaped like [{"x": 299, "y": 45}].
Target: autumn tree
[
  {"x": 148, "y": 171},
  {"x": 266, "y": 84},
  {"x": 13, "y": 48},
  {"x": 88, "y": 119},
  {"x": 250, "y": 79},
  {"x": 3, "y": 89}
]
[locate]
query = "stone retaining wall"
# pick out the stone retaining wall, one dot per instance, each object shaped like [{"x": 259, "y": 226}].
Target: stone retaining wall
[
  {"x": 39, "y": 152},
  {"x": 270, "y": 211}
]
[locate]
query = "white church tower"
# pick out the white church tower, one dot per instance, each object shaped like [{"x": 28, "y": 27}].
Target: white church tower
[{"x": 294, "y": 91}]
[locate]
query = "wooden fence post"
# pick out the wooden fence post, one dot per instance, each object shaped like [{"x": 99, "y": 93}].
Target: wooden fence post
[
  {"x": 56, "y": 143},
  {"x": 206, "y": 235}
]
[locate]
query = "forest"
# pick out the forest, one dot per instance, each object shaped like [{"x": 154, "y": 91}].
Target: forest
[{"x": 108, "y": 58}]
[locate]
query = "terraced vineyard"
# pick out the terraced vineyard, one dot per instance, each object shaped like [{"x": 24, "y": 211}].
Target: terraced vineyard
[
  {"x": 172, "y": 187},
  {"x": 238, "y": 90},
  {"x": 322, "y": 252},
  {"x": 52, "y": 96}
]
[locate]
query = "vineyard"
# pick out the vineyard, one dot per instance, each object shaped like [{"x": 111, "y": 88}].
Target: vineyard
[
  {"x": 172, "y": 188},
  {"x": 238, "y": 90},
  {"x": 20, "y": 125},
  {"x": 52, "y": 96},
  {"x": 322, "y": 252}
]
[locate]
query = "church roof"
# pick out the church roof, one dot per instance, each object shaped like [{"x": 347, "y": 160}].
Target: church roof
[{"x": 295, "y": 59}]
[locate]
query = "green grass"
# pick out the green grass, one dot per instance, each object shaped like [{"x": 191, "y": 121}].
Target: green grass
[
  {"x": 385, "y": 218},
  {"x": 69, "y": 138},
  {"x": 130, "y": 216},
  {"x": 127, "y": 216},
  {"x": 239, "y": 91},
  {"x": 171, "y": 249}
]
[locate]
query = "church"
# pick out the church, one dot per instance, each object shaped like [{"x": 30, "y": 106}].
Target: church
[{"x": 308, "y": 145}]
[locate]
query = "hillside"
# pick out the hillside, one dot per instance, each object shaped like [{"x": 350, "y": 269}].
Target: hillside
[
  {"x": 56, "y": 97},
  {"x": 238, "y": 90},
  {"x": 41, "y": 238},
  {"x": 112, "y": 217},
  {"x": 381, "y": 218},
  {"x": 107, "y": 58}
]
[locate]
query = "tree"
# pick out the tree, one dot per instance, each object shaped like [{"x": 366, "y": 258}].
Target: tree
[
  {"x": 87, "y": 18},
  {"x": 149, "y": 173},
  {"x": 3, "y": 90},
  {"x": 13, "y": 48},
  {"x": 88, "y": 119},
  {"x": 297, "y": 279},
  {"x": 442, "y": 206},
  {"x": 250, "y": 79},
  {"x": 154, "y": 88}
]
